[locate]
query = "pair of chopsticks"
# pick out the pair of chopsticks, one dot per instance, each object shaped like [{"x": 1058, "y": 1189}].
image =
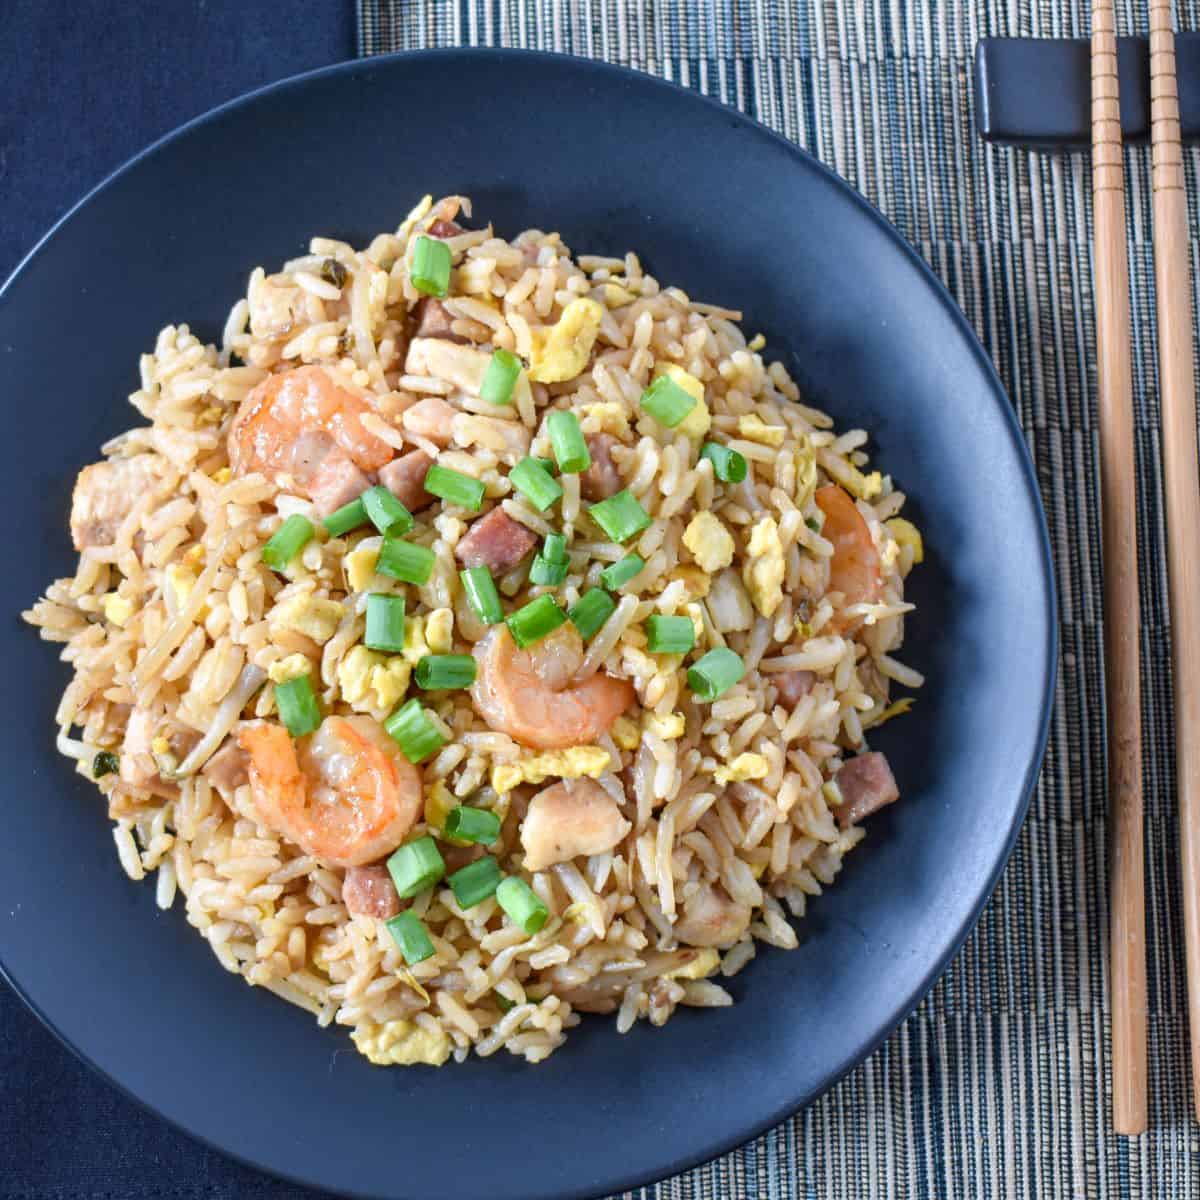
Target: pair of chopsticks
[{"x": 1177, "y": 390}]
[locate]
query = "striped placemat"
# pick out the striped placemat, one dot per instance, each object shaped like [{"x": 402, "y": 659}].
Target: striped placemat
[{"x": 998, "y": 1085}]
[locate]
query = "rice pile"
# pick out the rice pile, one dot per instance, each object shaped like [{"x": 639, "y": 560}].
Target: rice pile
[{"x": 175, "y": 630}]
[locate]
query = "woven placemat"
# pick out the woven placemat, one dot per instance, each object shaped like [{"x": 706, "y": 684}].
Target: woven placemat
[{"x": 998, "y": 1085}]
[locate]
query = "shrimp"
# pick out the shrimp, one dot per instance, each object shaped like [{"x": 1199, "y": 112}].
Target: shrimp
[
  {"x": 530, "y": 694},
  {"x": 301, "y": 424},
  {"x": 854, "y": 568},
  {"x": 345, "y": 795},
  {"x": 570, "y": 819}
]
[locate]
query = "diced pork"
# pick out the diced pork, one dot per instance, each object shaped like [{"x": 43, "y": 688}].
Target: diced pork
[
  {"x": 444, "y": 229},
  {"x": 336, "y": 483},
  {"x": 228, "y": 769},
  {"x": 104, "y": 494},
  {"x": 867, "y": 784},
  {"x": 404, "y": 477},
  {"x": 434, "y": 320},
  {"x": 496, "y": 542},
  {"x": 601, "y": 479},
  {"x": 369, "y": 892},
  {"x": 793, "y": 686}
]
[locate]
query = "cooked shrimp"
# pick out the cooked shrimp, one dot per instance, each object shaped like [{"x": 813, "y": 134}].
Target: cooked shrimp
[
  {"x": 344, "y": 795},
  {"x": 854, "y": 569},
  {"x": 569, "y": 819},
  {"x": 530, "y": 694},
  {"x": 301, "y": 424}
]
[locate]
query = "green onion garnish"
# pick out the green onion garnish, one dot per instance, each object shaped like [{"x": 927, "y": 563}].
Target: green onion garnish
[
  {"x": 430, "y": 271},
  {"x": 535, "y": 483},
  {"x": 550, "y": 466},
  {"x": 522, "y": 904},
  {"x": 405, "y": 561},
  {"x": 297, "y": 705},
  {"x": 105, "y": 763},
  {"x": 534, "y": 620},
  {"x": 413, "y": 730},
  {"x": 475, "y": 882},
  {"x": 473, "y": 825},
  {"x": 482, "y": 595},
  {"x": 349, "y": 516},
  {"x": 620, "y": 516},
  {"x": 287, "y": 541},
  {"x": 385, "y": 623},
  {"x": 591, "y": 611},
  {"x": 544, "y": 573},
  {"x": 566, "y": 440},
  {"x": 618, "y": 574},
  {"x": 728, "y": 465},
  {"x": 387, "y": 514},
  {"x": 438, "y": 672},
  {"x": 669, "y": 635},
  {"x": 503, "y": 1003},
  {"x": 667, "y": 402},
  {"x": 416, "y": 866},
  {"x": 455, "y": 487},
  {"x": 715, "y": 673},
  {"x": 333, "y": 272},
  {"x": 554, "y": 548},
  {"x": 500, "y": 377},
  {"x": 411, "y": 937}
]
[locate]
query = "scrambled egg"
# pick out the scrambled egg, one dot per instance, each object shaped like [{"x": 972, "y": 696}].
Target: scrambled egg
[
  {"x": 401, "y": 1043},
  {"x": 605, "y": 416},
  {"x": 616, "y": 296},
  {"x": 625, "y": 733},
  {"x": 307, "y": 614},
  {"x": 291, "y": 667},
  {"x": 415, "y": 644},
  {"x": 694, "y": 579},
  {"x": 744, "y": 767},
  {"x": 764, "y": 570},
  {"x": 370, "y": 680},
  {"x": 117, "y": 609},
  {"x": 703, "y": 965},
  {"x": 360, "y": 566},
  {"x": 572, "y": 763},
  {"x": 439, "y": 630},
  {"x": 194, "y": 555},
  {"x": 439, "y": 800},
  {"x": 221, "y": 475},
  {"x": 669, "y": 728},
  {"x": 694, "y": 611},
  {"x": 180, "y": 580},
  {"x": 757, "y": 342},
  {"x": 754, "y": 429},
  {"x": 697, "y": 423},
  {"x": 709, "y": 541},
  {"x": 561, "y": 352},
  {"x": 907, "y": 534}
]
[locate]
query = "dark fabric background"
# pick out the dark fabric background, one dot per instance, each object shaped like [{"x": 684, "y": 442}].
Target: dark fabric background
[{"x": 85, "y": 84}]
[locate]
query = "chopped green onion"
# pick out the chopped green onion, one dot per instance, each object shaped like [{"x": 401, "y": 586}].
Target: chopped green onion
[
  {"x": 473, "y": 825},
  {"x": 591, "y": 611},
  {"x": 715, "y": 673},
  {"x": 287, "y": 541},
  {"x": 385, "y": 623},
  {"x": 405, "y": 561},
  {"x": 522, "y": 904},
  {"x": 333, "y": 272},
  {"x": 669, "y": 635},
  {"x": 534, "y": 620},
  {"x": 482, "y": 595},
  {"x": 455, "y": 487},
  {"x": 416, "y": 866},
  {"x": 815, "y": 523},
  {"x": 349, "y": 516},
  {"x": 554, "y": 548},
  {"x": 297, "y": 705},
  {"x": 545, "y": 573},
  {"x": 620, "y": 516},
  {"x": 387, "y": 514},
  {"x": 550, "y": 466},
  {"x": 535, "y": 483},
  {"x": 667, "y": 402},
  {"x": 413, "y": 730},
  {"x": 728, "y": 465},
  {"x": 430, "y": 271},
  {"x": 439, "y": 672},
  {"x": 475, "y": 882},
  {"x": 500, "y": 377},
  {"x": 503, "y": 1003},
  {"x": 105, "y": 763},
  {"x": 411, "y": 937},
  {"x": 566, "y": 440},
  {"x": 618, "y": 574}
]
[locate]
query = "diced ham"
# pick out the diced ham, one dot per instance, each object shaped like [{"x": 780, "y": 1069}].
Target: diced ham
[
  {"x": 104, "y": 494},
  {"x": 601, "y": 479},
  {"x": 444, "y": 229},
  {"x": 228, "y": 769},
  {"x": 496, "y": 542},
  {"x": 867, "y": 784},
  {"x": 434, "y": 320},
  {"x": 404, "y": 477},
  {"x": 792, "y": 686},
  {"x": 369, "y": 892},
  {"x": 336, "y": 483}
]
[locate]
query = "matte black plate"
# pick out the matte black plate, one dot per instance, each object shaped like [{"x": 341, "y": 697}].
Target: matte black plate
[{"x": 721, "y": 207}]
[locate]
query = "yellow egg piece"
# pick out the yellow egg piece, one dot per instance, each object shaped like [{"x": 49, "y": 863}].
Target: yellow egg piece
[
  {"x": 745, "y": 767},
  {"x": 291, "y": 667},
  {"x": 709, "y": 541},
  {"x": 401, "y": 1043},
  {"x": 310, "y": 615},
  {"x": 562, "y": 352},
  {"x": 764, "y": 570},
  {"x": 907, "y": 534},
  {"x": 117, "y": 609}
]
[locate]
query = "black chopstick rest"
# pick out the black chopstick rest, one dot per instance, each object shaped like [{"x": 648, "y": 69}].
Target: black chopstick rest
[{"x": 1037, "y": 91}]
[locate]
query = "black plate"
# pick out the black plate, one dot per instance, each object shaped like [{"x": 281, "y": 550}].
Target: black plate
[{"x": 731, "y": 213}]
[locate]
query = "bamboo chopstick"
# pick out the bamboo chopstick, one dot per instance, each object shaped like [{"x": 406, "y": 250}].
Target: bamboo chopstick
[
  {"x": 1127, "y": 912},
  {"x": 1181, "y": 479}
]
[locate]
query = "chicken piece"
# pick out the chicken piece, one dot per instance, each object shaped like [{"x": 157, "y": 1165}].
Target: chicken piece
[
  {"x": 867, "y": 785},
  {"x": 404, "y": 477},
  {"x": 601, "y": 479},
  {"x": 430, "y": 418},
  {"x": 496, "y": 542},
  {"x": 369, "y": 892},
  {"x": 104, "y": 494},
  {"x": 567, "y": 820},
  {"x": 711, "y": 918}
]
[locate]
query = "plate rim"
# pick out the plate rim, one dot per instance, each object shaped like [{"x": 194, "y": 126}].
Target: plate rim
[{"x": 1050, "y": 648}]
